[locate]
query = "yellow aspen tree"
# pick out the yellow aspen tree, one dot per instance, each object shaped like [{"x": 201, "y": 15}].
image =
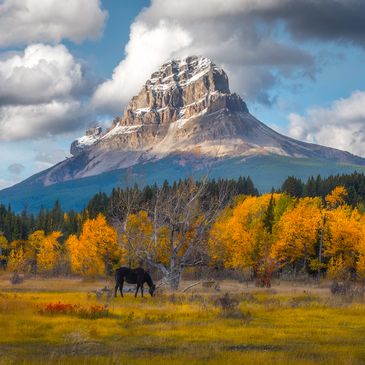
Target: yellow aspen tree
[
  {"x": 32, "y": 248},
  {"x": 240, "y": 237},
  {"x": 342, "y": 236},
  {"x": 138, "y": 236},
  {"x": 96, "y": 251},
  {"x": 336, "y": 197},
  {"x": 297, "y": 233},
  {"x": 75, "y": 254},
  {"x": 4, "y": 251},
  {"x": 49, "y": 253},
  {"x": 17, "y": 258},
  {"x": 360, "y": 264}
]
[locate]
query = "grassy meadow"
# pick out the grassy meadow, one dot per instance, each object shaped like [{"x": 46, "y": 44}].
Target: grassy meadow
[{"x": 283, "y": 325}]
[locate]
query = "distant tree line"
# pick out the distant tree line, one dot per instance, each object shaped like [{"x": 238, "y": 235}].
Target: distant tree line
[
  {"x": 318, "y": 186},
  {"x": 115, "y": 207},
  {"x": 121, "y": 202}
]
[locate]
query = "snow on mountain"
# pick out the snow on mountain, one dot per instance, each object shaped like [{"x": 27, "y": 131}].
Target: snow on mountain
[
  {"x": 91, "y": 137},
  {"x": 186, "y": 107}
]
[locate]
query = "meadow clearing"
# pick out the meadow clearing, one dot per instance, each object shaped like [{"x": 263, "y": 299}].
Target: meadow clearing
[{"x": 56, "y": 321}]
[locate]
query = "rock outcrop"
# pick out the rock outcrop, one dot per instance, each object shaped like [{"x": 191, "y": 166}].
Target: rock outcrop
[{"x": 91, "y": 136}]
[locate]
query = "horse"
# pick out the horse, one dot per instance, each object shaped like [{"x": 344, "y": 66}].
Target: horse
[{"x": 133, "y": 276}]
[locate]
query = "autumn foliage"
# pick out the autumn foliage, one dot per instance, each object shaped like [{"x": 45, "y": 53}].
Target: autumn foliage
[
  {"x": 261, "y": 235},
  {"x": 96, "y": 251},
  {"x": 302, "y": 235}
]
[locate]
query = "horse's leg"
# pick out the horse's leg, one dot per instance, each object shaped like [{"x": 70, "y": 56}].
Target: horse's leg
[
  {"x": 121, "y": 288},
  {"x": 142, "y": 290},
  {"x": 116, "y": 289},
  {"x": 135, "y": 295}
]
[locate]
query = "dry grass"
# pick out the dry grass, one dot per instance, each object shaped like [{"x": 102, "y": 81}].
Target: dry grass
[{"x": 284, "y": 325}]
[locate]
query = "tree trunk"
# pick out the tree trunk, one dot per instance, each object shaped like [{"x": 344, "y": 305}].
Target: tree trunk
[
  {"x": 320, "y": 249},
  {"x": 305, "y": 260},
  {"x": 174, "y": 275}
]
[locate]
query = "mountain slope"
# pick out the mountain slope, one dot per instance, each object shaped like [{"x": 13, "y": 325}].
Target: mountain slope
[
  {"x": 184, "y": 112},
  {"x": 265, "y": 171}
]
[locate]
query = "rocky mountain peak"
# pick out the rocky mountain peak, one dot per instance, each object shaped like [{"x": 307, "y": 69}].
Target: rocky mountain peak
[{"x": 181, "y": 89}]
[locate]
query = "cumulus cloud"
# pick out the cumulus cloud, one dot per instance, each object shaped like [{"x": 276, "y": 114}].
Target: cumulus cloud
[
  {"x": 340, "y": 20},
  {"x": 40, "y": 92},
  {"x": 39, "y": 74},
  {"x": 341, "y": 125},
  {"x": 239, "y": 35},
  {"x": 145, "y": 50},
  {"x": 27, "y": 21},
  {"x": 40, "y": 120},
  {"x": 16, "y": 168}
]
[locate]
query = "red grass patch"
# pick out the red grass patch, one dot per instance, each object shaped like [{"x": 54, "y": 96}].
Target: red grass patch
[{"x": 91, "y": 312}]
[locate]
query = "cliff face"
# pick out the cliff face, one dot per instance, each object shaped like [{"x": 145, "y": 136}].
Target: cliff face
[
  {"x": 180, "y": 91},
  {"x": 185, "y": 107}
]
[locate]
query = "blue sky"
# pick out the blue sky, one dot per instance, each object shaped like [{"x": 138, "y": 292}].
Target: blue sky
[{"x": 299, "y": 65}]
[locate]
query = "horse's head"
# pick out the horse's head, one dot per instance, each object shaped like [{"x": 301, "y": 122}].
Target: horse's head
[{"x": 152, "y": 290}]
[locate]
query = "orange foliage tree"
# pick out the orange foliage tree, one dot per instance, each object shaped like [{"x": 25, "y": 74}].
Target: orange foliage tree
[
  {"x": 4, "y": 251},
  {"x": 343, "y": 236},
  {"x": 242, "y": 237},
  {"x": 96, "y": 251},
  {"x": 49, "y": 253},
  {"x": 296, "y": 233},
  {"x": 40, "y": 254},
  {"x": 17, "y": 260}
]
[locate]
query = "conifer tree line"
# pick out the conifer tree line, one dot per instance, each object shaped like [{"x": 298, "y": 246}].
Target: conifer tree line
[
  {"x": 18, "y": 226},
  {"x": 318, "y": 186},
  {"x": 217, "y": 223}
]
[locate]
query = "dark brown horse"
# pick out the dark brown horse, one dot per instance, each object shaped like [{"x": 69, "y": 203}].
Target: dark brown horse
[{"x": 133, "y": 276}]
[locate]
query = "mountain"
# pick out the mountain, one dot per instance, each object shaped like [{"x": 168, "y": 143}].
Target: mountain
[{"x": 185, "y": 117}]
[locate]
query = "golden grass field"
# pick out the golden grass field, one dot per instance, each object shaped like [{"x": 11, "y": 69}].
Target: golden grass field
[{"x": 287, "y": 324}]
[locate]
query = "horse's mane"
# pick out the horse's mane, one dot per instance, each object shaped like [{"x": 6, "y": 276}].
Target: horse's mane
[{"x": 148, "y": 279}]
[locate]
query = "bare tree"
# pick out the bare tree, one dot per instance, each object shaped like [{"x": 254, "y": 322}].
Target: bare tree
[
  {"x": 125, "y": 202},
  {"x": 177, "y": 212}
]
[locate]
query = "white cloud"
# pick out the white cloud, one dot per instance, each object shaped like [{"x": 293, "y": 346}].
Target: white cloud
[
  {"x": 146, "y": 49},
  {"x": 40, "y": 93},
  {"x": 41, "y": 120},
  {"x": 221, "y": 30},
  {"x": 341, "y": 125},
  {"x": 255, "y": 41},
  {"x": 27, "y": 21},
  {"x": 39, "y": 74}
]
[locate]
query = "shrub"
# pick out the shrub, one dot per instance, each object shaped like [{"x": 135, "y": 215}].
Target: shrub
[
  {"x": 227, "y": 303},
  {"x": 16, "y": 278},
  {"x": 229, "y": 308}
]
